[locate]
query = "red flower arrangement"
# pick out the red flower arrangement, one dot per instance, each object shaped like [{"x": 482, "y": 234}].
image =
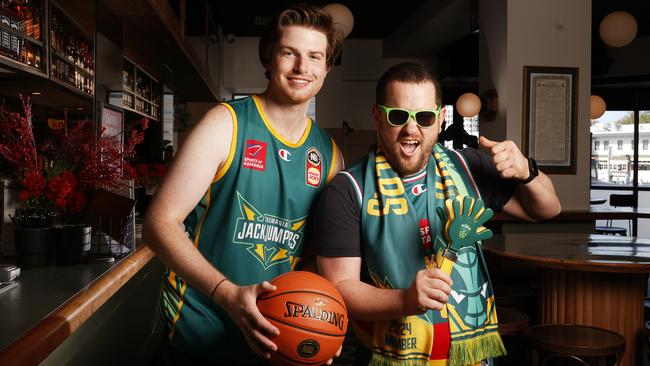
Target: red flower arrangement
[
  {"x": 59, "y": 174},
  {"x": 150, "y": 175}
]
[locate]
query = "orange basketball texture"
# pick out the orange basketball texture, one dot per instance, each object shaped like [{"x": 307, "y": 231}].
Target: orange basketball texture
[{"x": 311, "y": 316}]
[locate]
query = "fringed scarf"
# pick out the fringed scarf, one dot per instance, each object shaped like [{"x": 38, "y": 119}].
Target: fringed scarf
[{"x": 393, "y": 253}]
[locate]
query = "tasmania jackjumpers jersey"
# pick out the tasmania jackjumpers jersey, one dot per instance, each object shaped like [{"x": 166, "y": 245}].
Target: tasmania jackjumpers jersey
[{"x": 250, "y": 224}]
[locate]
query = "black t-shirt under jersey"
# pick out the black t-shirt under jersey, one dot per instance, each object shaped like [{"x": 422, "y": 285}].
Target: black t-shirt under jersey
[{"x": 337, "y": 231}]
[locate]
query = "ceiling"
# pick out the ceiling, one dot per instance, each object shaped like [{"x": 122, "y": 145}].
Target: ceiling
[
  {"x": 373, "y": 19},
  {"x": 405, "y": 28}
]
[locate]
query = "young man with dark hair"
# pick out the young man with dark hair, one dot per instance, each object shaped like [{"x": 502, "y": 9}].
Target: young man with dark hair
[
  {"x": 231, "y": 213},
  {"x": 412, "y": 212}
]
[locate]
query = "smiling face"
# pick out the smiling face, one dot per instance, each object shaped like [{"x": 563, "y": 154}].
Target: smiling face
[
  {"x": 298, "y": 64},
  {"x": 408, "y": 147}
]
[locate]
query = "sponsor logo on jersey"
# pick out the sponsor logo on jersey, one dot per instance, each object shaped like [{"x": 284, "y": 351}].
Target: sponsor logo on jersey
[
  {"x": 255, "y": 155},
  {"x": 425, "y": 236},
  {"x": 269, "y": 239},
  {"x": 284, "y": 155},
  {"x": 313, "y": 167},
  {"x": 418, "y": 189}
]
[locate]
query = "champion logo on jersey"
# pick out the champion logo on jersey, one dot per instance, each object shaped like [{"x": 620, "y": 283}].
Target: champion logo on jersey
[
  {"x": 418, "y": 189},
  {"x": 255, "y": 155},
  {"x": 284, "y": 155},
  {"x": 313, "y": 167}
]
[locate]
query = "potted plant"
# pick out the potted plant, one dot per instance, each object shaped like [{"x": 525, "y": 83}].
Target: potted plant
[
  {"x": 59, "y": 174},
  {"x": 32, "y": 233}
]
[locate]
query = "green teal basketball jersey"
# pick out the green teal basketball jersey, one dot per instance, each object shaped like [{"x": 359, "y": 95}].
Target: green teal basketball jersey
[{"x": 250, "y": 224}]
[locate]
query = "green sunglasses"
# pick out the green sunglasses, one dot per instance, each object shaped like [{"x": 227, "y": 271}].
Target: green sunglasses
[{"x": 399, "y": 116}]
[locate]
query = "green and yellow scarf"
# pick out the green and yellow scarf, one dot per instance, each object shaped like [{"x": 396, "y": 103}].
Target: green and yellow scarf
[{"x": 392, "y": 250}]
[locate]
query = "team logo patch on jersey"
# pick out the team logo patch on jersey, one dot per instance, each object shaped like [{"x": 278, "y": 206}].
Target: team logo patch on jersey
[
  {"x": 284, "y": 155},
  {"x": 313, "y": 167},
  {"x": 255, "y": 155},
  {"x": 269, "y": 239},
  {"x": 418, "y": 189}
]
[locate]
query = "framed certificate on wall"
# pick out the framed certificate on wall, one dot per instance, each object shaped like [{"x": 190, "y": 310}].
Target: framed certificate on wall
[{"x": 550, "y": 113}]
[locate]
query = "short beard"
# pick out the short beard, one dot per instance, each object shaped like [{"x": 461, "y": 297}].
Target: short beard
[{"x": 402, "y": 169}]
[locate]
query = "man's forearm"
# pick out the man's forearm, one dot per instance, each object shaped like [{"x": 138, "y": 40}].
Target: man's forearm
[
  {"x": 176, "y": 250},
  {"x": 369, "y": 303},
  {"x": 538, "y": 198}
]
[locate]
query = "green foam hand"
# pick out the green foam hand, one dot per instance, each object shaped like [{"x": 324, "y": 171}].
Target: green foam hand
[{"x": 463, "y": 221}]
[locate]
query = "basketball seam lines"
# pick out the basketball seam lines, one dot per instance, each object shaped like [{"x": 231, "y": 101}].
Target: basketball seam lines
[
  {"x": 302, "y": 328},
  {"x": 304, "y": 291},
  {"x": 291, "y": 359}
]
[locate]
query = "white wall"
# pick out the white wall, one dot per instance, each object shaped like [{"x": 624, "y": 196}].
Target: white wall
[
  {"x": 349, "y": 91},
  {"x": 212, "y": 62},
  {"x": 243, "y": 72},
  {"x": 541, "y": 33}
]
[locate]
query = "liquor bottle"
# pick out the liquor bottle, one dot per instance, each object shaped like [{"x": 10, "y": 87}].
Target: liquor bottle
[
  {"x": 28, "y": 19},
  {"x": 54, "y": 34},
  {"x": 36, "y": 23},
  {"x": 4, "y": 8},
  {"x": 37, "y": 57},
  {"x": 30, "y": 54},
  {"x": 14, "y": 38}
]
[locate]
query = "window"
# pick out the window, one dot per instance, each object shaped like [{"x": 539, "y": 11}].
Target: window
[
  {"x": 645, "y": 144},
  {"x": 612, "y": 166},
  {"x": 470, "y": 124}
]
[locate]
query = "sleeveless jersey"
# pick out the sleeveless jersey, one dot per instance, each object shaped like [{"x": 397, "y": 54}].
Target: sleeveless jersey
[{"x": 250, "y": 224}]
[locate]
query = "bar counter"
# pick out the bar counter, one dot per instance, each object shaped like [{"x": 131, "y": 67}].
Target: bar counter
[
  {"x": 595, "y": 280},
  {"x": 50, "y": 303}
]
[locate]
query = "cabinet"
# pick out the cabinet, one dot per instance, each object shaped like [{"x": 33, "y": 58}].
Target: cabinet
[
  {"x": 140, "y": 92},
  {"x": 21, "y": 35},
  {"x": 71, "y": 53}
]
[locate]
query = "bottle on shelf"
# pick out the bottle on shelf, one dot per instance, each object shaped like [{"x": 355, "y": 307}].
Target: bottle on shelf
[
  {"x": 36, "y": 22},
  {"x": 54, "y": 33}
]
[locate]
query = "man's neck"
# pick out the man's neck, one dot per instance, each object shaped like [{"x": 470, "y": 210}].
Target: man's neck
[{"x": 287, "y": 119}]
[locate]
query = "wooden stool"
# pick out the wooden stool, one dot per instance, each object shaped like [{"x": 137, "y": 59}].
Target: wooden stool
[
  {"x": 511, "y": 321},
  {"x": 577, "y": 342}
]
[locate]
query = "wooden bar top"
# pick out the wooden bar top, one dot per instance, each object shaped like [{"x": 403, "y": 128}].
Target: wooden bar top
[
  {"x": 32, "y": 347},
  {"x": 593, "y": 213},
  {"x": 573, "y": 251}
]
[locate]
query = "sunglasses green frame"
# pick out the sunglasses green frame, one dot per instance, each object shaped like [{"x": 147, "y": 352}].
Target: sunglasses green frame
[{"x": 411, "y": 115}]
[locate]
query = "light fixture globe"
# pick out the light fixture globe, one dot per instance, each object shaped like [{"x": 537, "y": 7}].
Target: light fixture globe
[
  {"x": 468, "y": 105},
  {"x": 618, "y": 29},
  {"x": 343, "y": 18},
  {"x": 598, "y": 107}
]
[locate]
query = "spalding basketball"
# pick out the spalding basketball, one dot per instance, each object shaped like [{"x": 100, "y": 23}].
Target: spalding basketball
[{"x": 311, "y": 316}]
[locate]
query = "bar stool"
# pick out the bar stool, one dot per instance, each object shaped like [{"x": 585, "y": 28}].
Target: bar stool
[
  {"x": 511, "y": 323},
  {"x": 572, "y": 341}
]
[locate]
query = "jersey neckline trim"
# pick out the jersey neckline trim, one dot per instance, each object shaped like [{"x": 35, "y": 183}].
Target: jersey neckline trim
[{"x": 273, "y": 132}]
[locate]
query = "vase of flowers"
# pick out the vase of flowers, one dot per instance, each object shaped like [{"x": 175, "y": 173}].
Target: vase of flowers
[{"x": 58, "y": 175}]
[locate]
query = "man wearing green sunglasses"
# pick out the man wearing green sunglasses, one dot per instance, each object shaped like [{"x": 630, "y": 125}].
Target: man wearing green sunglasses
[{"x": 412, "y": 213}]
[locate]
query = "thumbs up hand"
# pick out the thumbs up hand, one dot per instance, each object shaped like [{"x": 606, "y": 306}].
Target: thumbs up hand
[{"x": 508, "y": 159}]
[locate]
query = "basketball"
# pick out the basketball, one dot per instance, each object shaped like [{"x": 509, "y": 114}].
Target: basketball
[{"x": 311, "y": 316}]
